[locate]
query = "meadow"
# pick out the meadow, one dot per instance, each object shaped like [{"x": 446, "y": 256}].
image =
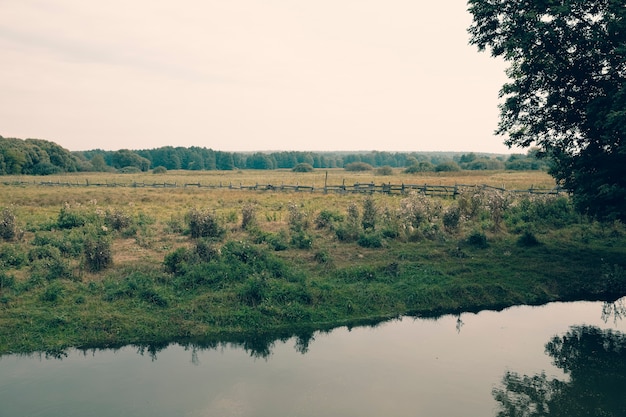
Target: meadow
[{"x": 89, "y": 266}]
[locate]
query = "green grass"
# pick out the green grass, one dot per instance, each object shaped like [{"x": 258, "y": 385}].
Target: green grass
[{"x": 287, "y": 272}]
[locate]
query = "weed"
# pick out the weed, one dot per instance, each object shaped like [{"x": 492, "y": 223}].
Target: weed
[
  {"x": 97, "y": 252},
  {"x": 8, "y": 224},
  {"x": 248, "y": 216},
  {"x": 204, "y": 224},
  {"x": 370, "y": 213}
]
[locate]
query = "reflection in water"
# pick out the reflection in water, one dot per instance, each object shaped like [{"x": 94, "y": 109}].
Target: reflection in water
[
  {"x": 595, "y": 361},
  {"x": 616, "y": 310}
]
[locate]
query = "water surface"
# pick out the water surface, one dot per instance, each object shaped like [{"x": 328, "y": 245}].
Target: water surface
[{"x": 448, "y": 366}]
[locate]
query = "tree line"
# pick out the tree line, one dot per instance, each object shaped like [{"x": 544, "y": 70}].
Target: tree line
[{"x": 41, "y": 157}]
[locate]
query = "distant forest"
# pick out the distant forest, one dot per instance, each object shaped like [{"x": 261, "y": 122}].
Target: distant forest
[{"x": 42, "y": 157}]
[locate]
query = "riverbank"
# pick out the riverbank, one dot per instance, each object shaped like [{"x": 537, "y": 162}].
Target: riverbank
[{"x": 121, "y": 268}]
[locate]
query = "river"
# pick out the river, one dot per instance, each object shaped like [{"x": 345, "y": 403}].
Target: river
[{"x": 465, "y": 365}]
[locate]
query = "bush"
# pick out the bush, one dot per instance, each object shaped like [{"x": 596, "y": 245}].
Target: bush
[
  {"x": 358, "y": 166},
  {"x": 478, "y": 240},
  {"x": 176, "y": 262},
  {"x": 248, "y": 216},
  {"x": 206, "y": 250},
  {"x": 452, "y": 218},
  {"x": 325, "y": 219},
  {"x": 386, "y": 170},
  {"x": 368, "y": 221},
  {"x": 70, "y": 218},
  {"x": 97, "y": 253},
  {"x": 52, "y": 293},
  {"x": 370, "y": 240},
  {"x": 423, "y": 166},
  {"x": 528, "y": 239},
  {"x": 204, "y": 224},
  {"x": 159, "y": 170},
  {"x": 302, "y": 240},
  {"x": 303, "y": 167},
  {"x": 448, "y": 166},
  {"x": 8, "y": 224},
  {"x": 298, "y": 219},
  {"x": 253, "y": 291},
  {"x": 117, "y": 220},
  {"x": 11, "y": 257}
]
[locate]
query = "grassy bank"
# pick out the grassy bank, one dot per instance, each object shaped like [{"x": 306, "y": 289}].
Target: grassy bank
[{"x": 89, "y": 267}]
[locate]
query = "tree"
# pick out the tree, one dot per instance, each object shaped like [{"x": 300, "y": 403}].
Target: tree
[{"x": 567, "y": 90}]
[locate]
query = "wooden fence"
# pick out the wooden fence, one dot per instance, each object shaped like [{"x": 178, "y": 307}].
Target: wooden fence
[{"x": 361, "y": 188}]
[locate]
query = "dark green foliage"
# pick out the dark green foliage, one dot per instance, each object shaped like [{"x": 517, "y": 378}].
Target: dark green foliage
[
  {"x": 129, "y": 161},
  {"x": 206, "y": 251},
  {"x": 370, "y": 240},
  {"x": 176, "y": 262},
  {"x": 423, "y": 166},
  {"x": 303, "y": 167},
  {"x": 528, "y": 239},
  {"x": 8, "y": 224},
  {"x": 71, "y": 217},
  {"x": 302, "y": 240},
  {"x": 326, "y": 219},
  {"x": 97, "y": 252},
  {"x": 478, "y": 240},
  {"x": 204, "y": 224},
  {"x": 11, "y": 256},
  {"x": 6, "y": 281},
  {"x": 322, "y": 257},
  {"x": 549, "y": 211},
  {"x": 358, "y": 166},
  {"x": 34, "y": 157},
  {"x": 253, "y": 291},
  {"x": 447, "y": 166},
  {"x": 566, "y": 92},
  {"x": 159, "y": 170},
  {"x": 52, "y": 293}
]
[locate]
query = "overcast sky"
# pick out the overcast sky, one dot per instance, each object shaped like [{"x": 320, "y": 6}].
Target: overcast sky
[{"x": 241, "y": 75}]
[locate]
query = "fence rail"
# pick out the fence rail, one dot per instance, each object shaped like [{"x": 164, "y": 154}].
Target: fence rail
[{"x": 362, "y": 188}]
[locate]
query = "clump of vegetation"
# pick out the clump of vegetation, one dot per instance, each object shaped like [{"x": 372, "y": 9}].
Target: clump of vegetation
[
  {"x": 477, "y": 239},
  {"x": 248, "y": 216},
  {"x": 159, "y": 170},
  {"x": 358, "y": 166},
  {"x": 370, "y": 213},
  {"x": 298, "y": 218},
  {"x": 384, "y": 171},
  {"x": 528, "y": 239},
  {"x": 97, "y": 252},
  {"x": 117, "y": 219},
  {"x": 303, "y": 167},
  {"x": 8, "y": 224},
  {"x": 204, "y": 223},
  {"x": 423, "y": 166}
]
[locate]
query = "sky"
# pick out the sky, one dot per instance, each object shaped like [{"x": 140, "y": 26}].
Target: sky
[{"x": 248, "y": 75}]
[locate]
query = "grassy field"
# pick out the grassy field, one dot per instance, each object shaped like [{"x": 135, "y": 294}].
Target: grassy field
[{"x": 102, "y": 266}]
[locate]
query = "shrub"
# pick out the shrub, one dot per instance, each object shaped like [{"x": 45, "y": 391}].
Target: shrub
[
  {"x": 176, "y": 262},
  {"x": 52, "y": 293},
  {"x": 204, "y": 224},
  {"x": 8, "y": 224},
  {"x": 97, "y": 253},
  {"x": 159, "y": 170},
  {"x": 248, "y": 216},
  {"x": 368, "y": 221},
  {"x": 452, "y": 218},
  {"x": 448, "y": 166},
  {"x": 358, "y": 166},
  {"x": 11, "y": 257},
  {"x": 322, "y": 257},
  {"x": 423, "y": 166},
  {"x": 325, "y": 219},
  {"x": 386, "y": 170},
  {"x": 298, "y": 219},
  {"x": 117, "y": 219},
  {"x": 302, "y": 240},
  {"x": 70, "y": 218},
  {"x": 206, "y": 250},
  {"x": 477, "y": 239},
  {"x": 370, "y": 240},
  {"x": 528, "y": 239},
  {"x": 253, "y": 291},
  {"x": 303, "y": 167}
]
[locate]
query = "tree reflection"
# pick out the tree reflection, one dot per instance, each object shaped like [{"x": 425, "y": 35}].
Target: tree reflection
[{"x": 595, "y": 361}]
